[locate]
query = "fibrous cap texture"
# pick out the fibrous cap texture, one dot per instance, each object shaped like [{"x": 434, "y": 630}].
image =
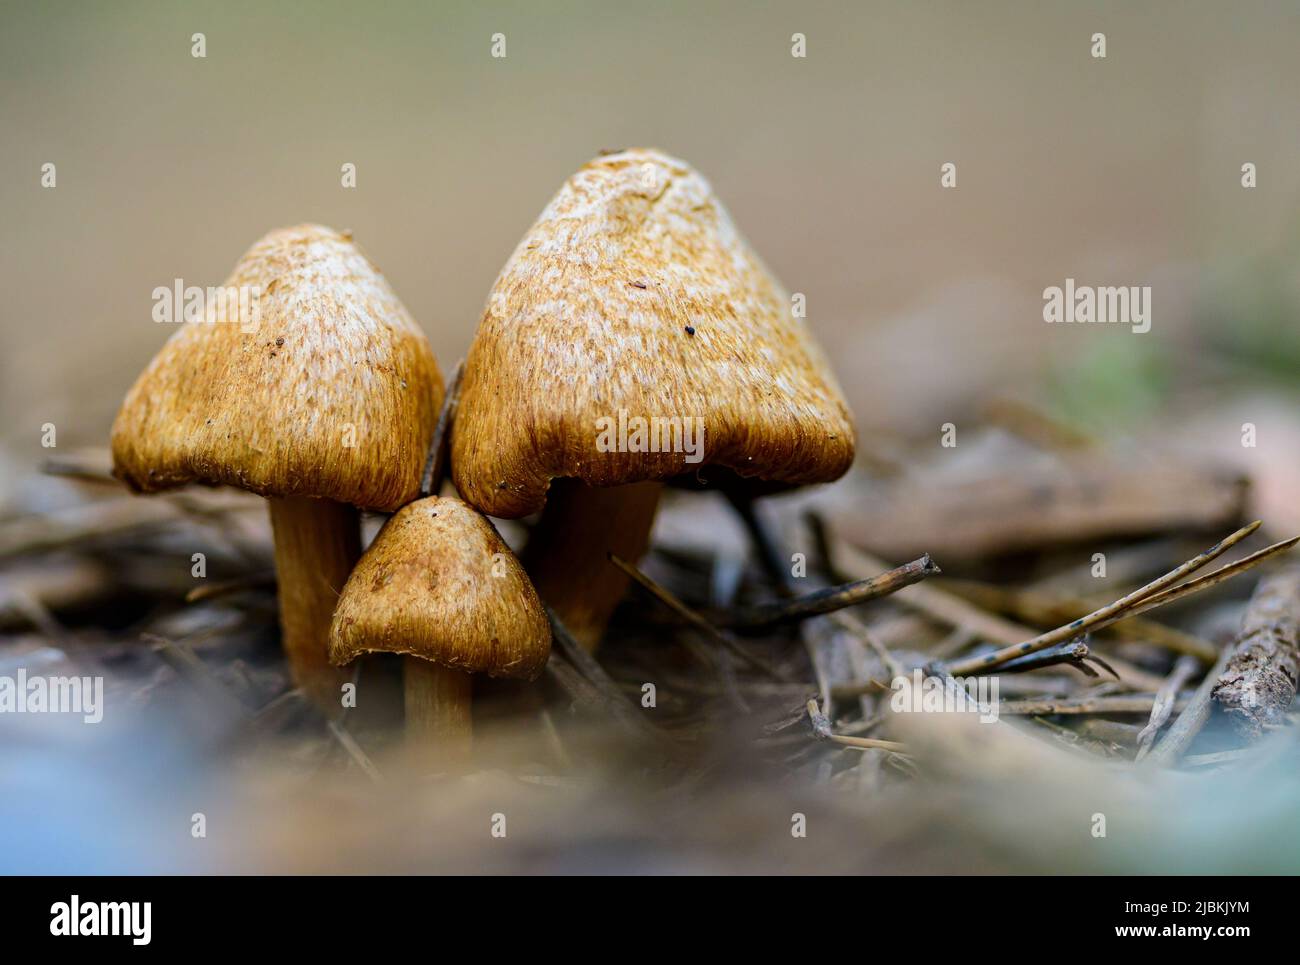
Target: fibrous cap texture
[
  {"x": 634, "y": 297},
  {"x": 439, "y": 583},
  {"x": 317, "y": 382}
]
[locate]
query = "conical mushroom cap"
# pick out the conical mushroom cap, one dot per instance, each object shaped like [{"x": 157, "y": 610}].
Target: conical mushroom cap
[
  {"x": 634, "y": 295},
  {"x": 439, "y": 583},
  {"x": 320, "y": 385}
]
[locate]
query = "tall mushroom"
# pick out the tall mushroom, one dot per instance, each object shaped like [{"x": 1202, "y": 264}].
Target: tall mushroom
[
  {"x": 633, "y": 336},
  {"x": 318, "y": 392},
  {"x": 440, "y": 587}
]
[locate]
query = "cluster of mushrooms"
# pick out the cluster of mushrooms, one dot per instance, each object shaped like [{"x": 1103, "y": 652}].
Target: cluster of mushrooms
[{"x": 633, "y": 292}]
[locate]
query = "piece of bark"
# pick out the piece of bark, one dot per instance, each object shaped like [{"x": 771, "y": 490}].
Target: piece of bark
[
  {"x": 1024, "y": 509},
  {"x": 1258, "y": 684}
]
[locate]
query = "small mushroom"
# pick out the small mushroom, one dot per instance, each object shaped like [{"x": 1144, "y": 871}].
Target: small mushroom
[
  {"x": 633, "y": 305},
  {"x": 440, "y": 587},
  {"x": 321, "y": 395}
]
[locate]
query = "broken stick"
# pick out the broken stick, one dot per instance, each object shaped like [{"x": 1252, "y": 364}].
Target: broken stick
[{"x": 1258, "y": 684}]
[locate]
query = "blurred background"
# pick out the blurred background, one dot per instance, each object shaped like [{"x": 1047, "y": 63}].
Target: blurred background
[{"x": 1117, "y": 171}]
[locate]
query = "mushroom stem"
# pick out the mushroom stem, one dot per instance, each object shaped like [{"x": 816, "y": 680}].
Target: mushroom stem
[
  {"x": 438, "y": 700},
  {"x": 317, "y": 542},
  {"x": 568, "y": 553}
]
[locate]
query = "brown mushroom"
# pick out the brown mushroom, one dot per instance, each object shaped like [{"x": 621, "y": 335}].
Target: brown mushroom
[
  {"x": 440, "y": 587},
  {"x": 630, "y": 316},
  {"x": 318, "y": 392}
]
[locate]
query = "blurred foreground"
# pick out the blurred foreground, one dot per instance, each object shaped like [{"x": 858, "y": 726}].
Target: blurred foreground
[{"x": 206, "y": 761}]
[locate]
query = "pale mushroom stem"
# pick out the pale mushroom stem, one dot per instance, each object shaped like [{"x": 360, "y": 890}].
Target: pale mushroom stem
[
  {"x": 438, "y": 700},
  {"x": 568, "y": 553},
  {"x": 317, "y": 542}
]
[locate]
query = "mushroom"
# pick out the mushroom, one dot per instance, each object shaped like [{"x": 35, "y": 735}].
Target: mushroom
[
  {"x": 319, "y": 392},
  {"x": 440, "y": 587},
  {"x": 632, "y": 319}
]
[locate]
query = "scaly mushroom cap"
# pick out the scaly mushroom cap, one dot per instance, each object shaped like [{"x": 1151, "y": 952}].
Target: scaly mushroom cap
[
  {"x": 319, "y": 384},
  {"x": 439, "y": 583},
  {"x": 633, "y": 293}
]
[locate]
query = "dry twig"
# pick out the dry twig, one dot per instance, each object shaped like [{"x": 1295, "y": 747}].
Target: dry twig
[
  {"x": 435, "y": 466},
  {"x": 970, "y": 620},
  {"x": 1141, "y": 599},
  {"x": 1184, "y": 669},
  {"x": 1114, "y": 704},
  {"x": 668, "y": 599},
  {"x": 1042, "y": 608},
  {"x": 1190, "y": 720},
  {"x": 355, "y": 751},
  {"x": 821, "y": 727},
  {"x": 832, "y": 598},
  {"x": 585, "y": 679}
]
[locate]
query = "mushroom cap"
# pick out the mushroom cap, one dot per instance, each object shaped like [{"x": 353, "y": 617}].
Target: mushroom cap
[
  {"x": 439, "y": 583},
  {"x": 633, "y": 293},
  {"x": 320, "y": 384}
]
